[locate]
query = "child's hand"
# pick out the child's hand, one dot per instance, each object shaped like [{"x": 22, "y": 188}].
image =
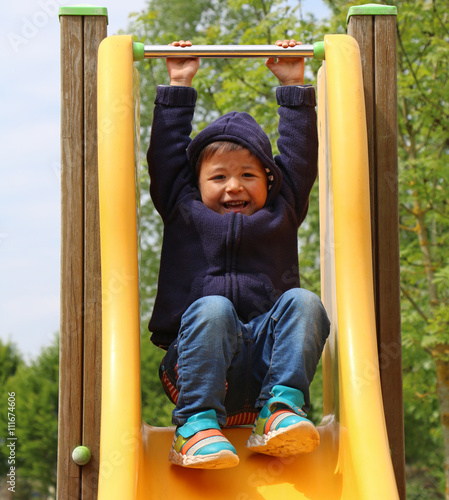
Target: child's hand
[
  {"x": 181, "y": 71},
  {"x": 289, "y": 70}
]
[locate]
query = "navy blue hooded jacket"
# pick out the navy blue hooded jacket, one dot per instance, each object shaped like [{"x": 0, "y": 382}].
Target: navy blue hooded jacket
[{"x": 253, "y": 259}]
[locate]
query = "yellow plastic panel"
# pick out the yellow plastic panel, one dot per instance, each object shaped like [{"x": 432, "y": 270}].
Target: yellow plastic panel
[
  {"x": 121, "y": 438},
  {"x": 364, "y": 452},
  {"x": 352, "y": 462}
]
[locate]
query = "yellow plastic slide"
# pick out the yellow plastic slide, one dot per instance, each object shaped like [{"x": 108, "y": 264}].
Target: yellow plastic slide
[{"x": 353, "y": 460}]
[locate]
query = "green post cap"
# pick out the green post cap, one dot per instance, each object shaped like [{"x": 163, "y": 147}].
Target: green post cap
[
  {"x": 371, "y": 9},
  {"x": 138, "y": 51},
  {"x": 81, "y": 455},
  {"x": 83, "y": 10},
  {"x": 318, "y": 51}
]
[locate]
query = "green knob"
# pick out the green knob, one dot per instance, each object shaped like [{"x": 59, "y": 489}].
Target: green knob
[
  {"x": 318, "y": 51},
  {"x": 138, "y": 51},
  {"x": 81, "y": 455}
]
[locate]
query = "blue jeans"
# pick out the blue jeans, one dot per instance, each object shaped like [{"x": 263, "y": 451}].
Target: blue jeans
[{"x": 220, "y": 363}]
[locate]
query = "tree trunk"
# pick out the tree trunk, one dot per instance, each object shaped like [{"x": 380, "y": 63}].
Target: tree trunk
[{"x": 441, "y": 357}]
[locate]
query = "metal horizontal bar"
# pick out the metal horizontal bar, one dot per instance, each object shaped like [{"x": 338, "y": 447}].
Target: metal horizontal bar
[{"x": 155, "y": 51}]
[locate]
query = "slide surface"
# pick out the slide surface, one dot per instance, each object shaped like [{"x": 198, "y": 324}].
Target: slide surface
[{"x": 353, "y": 460}]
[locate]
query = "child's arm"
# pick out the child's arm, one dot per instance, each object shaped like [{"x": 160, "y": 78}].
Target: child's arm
[
  {"x": 298, "y": 141},
  {"x": 171, "y": 176},
  {"x": 289, "y": 70}
]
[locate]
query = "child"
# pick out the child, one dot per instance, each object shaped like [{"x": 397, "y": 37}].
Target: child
[{"x": 243, "y": 339}]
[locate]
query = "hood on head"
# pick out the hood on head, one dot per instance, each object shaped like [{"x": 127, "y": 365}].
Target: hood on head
[{"x": 243, "y": 129}]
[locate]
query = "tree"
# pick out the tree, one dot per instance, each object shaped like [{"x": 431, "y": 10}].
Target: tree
[
  {"x": 423, "y": 38},
  {"x": 10, "y": 362},
  {"x": 35, "y": 389}
]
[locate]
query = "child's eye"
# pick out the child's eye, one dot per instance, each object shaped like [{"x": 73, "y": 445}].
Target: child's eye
[
  {"x": 247, "y": 174},
  {"x": 218, "y": 177}
]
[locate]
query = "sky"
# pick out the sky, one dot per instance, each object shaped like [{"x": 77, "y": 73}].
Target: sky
[{"x": 30, "y": 164}]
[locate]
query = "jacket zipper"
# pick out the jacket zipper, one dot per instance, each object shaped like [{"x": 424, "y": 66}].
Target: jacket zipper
[{"x": 236, "y": 233}]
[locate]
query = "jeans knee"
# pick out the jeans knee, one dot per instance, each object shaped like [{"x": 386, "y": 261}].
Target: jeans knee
[
  {"x": 303, "y": 300},
  {"x": 210, "y": 324},
  {"x": 213, "y": 307},
  {"x": 213, "y": 316}
]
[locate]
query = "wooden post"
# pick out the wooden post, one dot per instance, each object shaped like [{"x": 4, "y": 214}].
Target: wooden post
[
  {"x": 82, "y": 29},
  {"x": 374, "y": 28}
]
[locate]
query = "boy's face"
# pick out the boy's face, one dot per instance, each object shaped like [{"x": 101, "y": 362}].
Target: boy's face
[{"x": 233, "y": 181}]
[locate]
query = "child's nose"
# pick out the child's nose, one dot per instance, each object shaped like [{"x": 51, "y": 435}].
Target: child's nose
[{"x": 233, "y": 185}]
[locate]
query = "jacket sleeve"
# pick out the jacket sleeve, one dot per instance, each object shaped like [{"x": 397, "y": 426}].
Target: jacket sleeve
[
  {"x": 297, "y": 144},
  {"x": 170, "y": 175}
]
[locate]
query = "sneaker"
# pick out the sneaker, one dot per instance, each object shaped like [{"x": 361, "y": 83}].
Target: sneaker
[
  {"x": 200, "y": 444},
  {"x": 281, "y": 428}
]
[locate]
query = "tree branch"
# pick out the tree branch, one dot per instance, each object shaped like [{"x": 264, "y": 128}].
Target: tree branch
[
  {"x": 439, "y": 18},
  {"x": 414, "y": 304},
  {"x": 415, "y": 77}
]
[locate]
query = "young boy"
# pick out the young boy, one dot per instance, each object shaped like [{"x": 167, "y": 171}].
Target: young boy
[{"x": 243, "y": 339}]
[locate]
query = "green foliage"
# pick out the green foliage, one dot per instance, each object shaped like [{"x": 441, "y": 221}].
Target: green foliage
[
  {"x": 223, "y": 85},
  {"x": 422, "y": 487},
  {"x": 423, "y": 52},
  {"x": 423, "y": 433},
  {"x": 10, "y": 361},
  {"x": 315, "y": 413},
  {"x": 35, "y": 387},
  {"x": 156, "y": 407},
  {"x": 424, "y": 147}
]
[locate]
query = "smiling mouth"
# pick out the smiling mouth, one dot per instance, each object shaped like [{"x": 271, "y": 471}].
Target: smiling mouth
[{"x": 235, "y": 205}]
